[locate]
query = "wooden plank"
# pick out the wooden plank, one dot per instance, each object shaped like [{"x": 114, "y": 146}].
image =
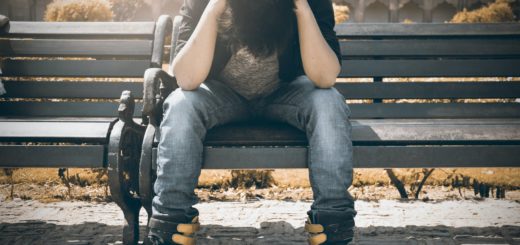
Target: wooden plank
[
  {"x": 255, "y": 133},
  {"x": 365, "y": 157},
  {"x": 376, "y": 132},
  {"x": 431, "y": 47},
  {"x": 436, "y": 131},
  {"x": 75, "y": 48},
  {"x": 76, "y": 68},
  {"x": 437, "y": 156},
  {"x": 359, "y": 111},
  {"x": 356, "y": 30},
  {"x": 77, "y": 90},
  {"x": 59, "y": 109},
  {"x": 52, "y": 156},
  {"x": 80, "y": 29},
  {"x": 31, "y": 131},
  {"x": 428, "y": 90},
  {"x": 351, "y": 90},
  {"x": 436, "y": 110},
  {"x": 431, "y": 68}
]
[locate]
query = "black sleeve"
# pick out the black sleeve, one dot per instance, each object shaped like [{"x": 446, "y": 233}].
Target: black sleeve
[
  {"x": 191, "y": 11},
  {"x": 324, "y": 14}
]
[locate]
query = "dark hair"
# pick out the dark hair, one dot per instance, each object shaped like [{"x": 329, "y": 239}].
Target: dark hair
[{"x": 261, "y": 26}]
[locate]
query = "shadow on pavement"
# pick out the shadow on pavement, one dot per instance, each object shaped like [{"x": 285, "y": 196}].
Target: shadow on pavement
[{"x": 272, "y": 233}]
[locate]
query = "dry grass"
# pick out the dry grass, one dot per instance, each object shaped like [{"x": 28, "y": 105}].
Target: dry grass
[
  {"x": 293, "y": 178},
  {"x": 369, "y": 184}
]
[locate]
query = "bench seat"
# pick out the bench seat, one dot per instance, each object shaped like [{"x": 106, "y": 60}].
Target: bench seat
[
  {"x": 67, "y": 130},
  {"x": 377, "y": 132},
  {"x": 377, "y": 143}
]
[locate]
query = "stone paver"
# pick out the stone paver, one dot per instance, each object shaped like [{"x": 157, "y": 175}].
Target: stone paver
[{"x": 272, "y": 222}]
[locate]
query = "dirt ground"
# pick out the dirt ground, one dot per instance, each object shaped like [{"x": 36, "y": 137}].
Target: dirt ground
[
  {"x": 38, "y": 208},
  {"x": 271, "y": 222}
]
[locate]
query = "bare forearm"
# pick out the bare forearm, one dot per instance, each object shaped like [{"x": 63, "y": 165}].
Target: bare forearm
[
  {"x": 193, "y": 63},
  {"x": 320, "y": 63}
]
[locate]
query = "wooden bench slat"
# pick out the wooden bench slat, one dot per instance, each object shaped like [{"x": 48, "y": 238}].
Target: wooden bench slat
[
  {"x": 79, "y": 29},
  {"x": 364, "y": 157},
  {"x": 440, "y": 131},
  {"x": 353, "y": 30},
  {"x": 75, "y": 48},
  {"x": 378, "y": 132},
  {"x": 76, "y": 68},
  {"x": 431, "y": 68},
  {"x": 59, "y": 109},
  {"x": 95, "y": 90},
  {"x": 436, "y": 110},
  {"x": 359, "y": 111},
  {"x": 53, "y": 156},
  {"x": 351, "y": 90},
  {"x": 77, "y": 131},
  {"x": 428, "y": 90},
  {"x": 431, "y": 48}
]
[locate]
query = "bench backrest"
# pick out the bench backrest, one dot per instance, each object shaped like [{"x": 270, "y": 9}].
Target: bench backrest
[
  {"x": 377, "y": 52},
  {"x": 67, "y": 69},
  {"x": 437, "y": 52}
]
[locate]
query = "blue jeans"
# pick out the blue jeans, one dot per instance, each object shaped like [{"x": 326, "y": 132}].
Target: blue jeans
[{"x": 321, "y": 113}]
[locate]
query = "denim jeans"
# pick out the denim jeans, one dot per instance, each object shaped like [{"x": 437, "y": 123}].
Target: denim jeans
[{"x": 321, "y": 113}]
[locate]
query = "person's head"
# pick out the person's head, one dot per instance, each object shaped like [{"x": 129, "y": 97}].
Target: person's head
[{"x": 262, "y": 26}]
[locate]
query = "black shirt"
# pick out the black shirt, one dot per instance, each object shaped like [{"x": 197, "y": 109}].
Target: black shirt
[{"x": 290, "y": 61}]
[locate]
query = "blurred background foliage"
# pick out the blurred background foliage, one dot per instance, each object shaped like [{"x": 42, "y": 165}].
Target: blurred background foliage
[
  {"x": 498, "y": 11},
  {"x": 79, "y": 10}
]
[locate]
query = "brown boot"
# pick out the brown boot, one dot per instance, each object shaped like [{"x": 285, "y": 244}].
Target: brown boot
[
  {"x": 328, "y": 228},
  {"x": 171, "y": 232}
]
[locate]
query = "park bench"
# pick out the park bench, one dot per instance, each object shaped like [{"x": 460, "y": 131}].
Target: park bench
[
  {"x": 61, "y": 108},
  {"x": 387, "y": 131}
]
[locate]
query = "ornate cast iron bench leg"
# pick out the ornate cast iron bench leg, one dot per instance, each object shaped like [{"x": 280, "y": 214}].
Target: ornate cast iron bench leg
[{"x": 123, "y": 166}]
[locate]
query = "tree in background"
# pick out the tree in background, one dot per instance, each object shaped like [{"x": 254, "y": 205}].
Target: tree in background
[
  {"x": 79, "y": 10},
  {"x": 499, "y": 11}
]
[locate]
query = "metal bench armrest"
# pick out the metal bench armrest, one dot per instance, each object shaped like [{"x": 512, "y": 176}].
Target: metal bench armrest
[{"x": 158, "y": 84}]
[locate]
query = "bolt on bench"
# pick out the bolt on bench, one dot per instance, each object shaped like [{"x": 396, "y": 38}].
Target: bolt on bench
[{"x": 59, "y": 96}]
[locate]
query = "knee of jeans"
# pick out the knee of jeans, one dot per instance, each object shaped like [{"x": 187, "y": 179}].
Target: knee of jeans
[
  {"x": 180, "y": 104},
  {"x": 329, "y": 103}
]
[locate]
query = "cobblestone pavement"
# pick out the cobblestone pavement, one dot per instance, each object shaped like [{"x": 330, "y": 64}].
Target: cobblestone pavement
[{"x": 272, "y": 222}]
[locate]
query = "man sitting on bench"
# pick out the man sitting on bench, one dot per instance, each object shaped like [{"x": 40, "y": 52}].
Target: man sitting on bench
[{"x": 240, "y": 60}]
